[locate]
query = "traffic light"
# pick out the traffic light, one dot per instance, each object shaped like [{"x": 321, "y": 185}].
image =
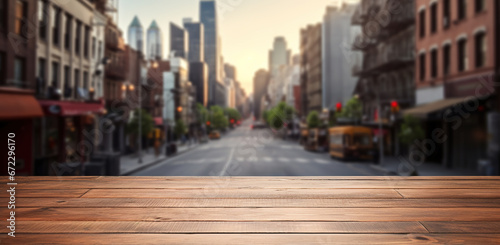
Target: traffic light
[
  {"x": 232, "y": 121},
  {"x": 339, "y": 107},
  {"x": 395, "y": 107},
  {"x": 208, "y": 123},
  {"x": 179, "y": 109}
]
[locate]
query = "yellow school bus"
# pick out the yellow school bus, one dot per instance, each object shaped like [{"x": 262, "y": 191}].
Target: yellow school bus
[
  {"x": 351, "y": 143},
  {"x": 317, "y": 140}
]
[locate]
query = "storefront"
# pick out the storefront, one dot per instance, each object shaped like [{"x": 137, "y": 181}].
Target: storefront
[
  {"x": 18, "y": 111},
  {"x": 66, "y": 136}
]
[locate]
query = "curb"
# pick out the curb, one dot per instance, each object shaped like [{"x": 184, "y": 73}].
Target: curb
[
  {"x": 145, "y": 166},
  {"x": 384, "y": 170}
]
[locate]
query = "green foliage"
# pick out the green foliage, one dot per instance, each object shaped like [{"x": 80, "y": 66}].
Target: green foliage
[
  {"x": 353, "y": 110},
  {"x": 411, "y": 130},
  {"x": 233, "y": 114},
  {"x": 202, "y": 114},
  {"x": 265, "y": 115},
  {"x": 147, "y": 123},
  {"x": 278, "y": 115},
  {"x": 217, "y": 118},
  {"x": 180, "y": 128},
  {"x": 313, "y": 120}
]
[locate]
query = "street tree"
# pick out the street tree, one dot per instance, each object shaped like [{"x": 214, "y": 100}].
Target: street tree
[{"x": 313, "y": 120}]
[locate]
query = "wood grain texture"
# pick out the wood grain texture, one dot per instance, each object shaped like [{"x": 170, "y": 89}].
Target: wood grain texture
[
  {"x": 251, "y": 203},
  {"x": 256, "y": 214},
  {"x": 238, "y": 239},
  {"x": 255, "y": 210}
]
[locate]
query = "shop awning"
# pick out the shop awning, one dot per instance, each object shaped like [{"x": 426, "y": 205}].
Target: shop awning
[
  {"x": 71, "y": 108},
  {"x": 18, "y": 104},
  {"x": 423, "y": 111},
  {"x": 158, "y": 121}
]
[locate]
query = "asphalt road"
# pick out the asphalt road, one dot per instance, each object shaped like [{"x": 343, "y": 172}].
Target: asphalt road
[{"x": 247, "y": 152}]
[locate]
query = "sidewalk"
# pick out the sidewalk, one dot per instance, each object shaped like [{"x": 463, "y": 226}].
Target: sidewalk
[
  {"x": 394, "y": 166},
  {"x": 129, "y": 164}
]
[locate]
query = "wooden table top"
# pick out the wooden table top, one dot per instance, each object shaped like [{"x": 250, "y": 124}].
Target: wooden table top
[{"x": 254, "y": 210}]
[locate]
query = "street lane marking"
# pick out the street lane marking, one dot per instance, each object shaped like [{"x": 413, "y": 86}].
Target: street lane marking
[
  {"x": 302, "y": 160},
  {"x": 321, "y": 161},
  {"x": 226, "y": 166},
  {"x": 283, "y": 159},
  {"x": 267, "y": 159}
]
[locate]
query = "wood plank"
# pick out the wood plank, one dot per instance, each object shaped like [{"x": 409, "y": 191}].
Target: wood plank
[
  {"x": 243, "y": 193},
  {"x": 45, "y": 193},
  {"x": 106, "y": 183},
  {"x": 450, "y": 193},
  {"x": 251, "y": 203},
  {"x": 237, "y": 239},
  {"x": 256, "y": 214},
  {"x": 463, "y": 227},
  {"x": 72, "y": 227}
]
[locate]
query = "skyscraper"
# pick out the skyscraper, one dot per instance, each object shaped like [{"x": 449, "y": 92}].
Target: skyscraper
[
  {"x": 196, "y": 40},
  {"x": 208, "y": 16},
  {"x": 136, "y": 35},
  {"x": 337, "y": 37},
  {"x": 260, "y": 83},
  {"x": 278, "y": 56},
  {"x": 179, "y": 41},
  {"x": 154, "y": 42}
]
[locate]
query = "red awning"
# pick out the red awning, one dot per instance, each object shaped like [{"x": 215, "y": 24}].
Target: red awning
[
  {"x": 158, "y": 121},
  {"x": 18, "y": 104},
  {"x": 71, "y": 108}
]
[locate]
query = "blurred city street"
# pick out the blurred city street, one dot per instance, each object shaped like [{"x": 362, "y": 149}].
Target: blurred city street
[{"x": 247, "y": 152}]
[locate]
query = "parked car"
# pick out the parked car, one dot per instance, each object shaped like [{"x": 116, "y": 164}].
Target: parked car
[
  {"x": 258, "y": 125},
  {"x": 214, "y": 135}
]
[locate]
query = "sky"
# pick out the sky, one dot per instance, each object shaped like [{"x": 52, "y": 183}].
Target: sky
[{"x": 247, "y": 27}]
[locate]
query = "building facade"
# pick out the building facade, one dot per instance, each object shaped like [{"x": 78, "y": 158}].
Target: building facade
[
  {"x": 260, "y": 83},
  {"x": 154, "y": 42},
  {"x": 198, "y": 75},
  {"x": 196, "y": 33},
  {"x": 279, "y": 56},
  {"x": 311, "y": 69},
  {"x": 338, "y": 57},
  {"x": 212, "y": 49},
  {"x": 179, "y": 41},
  {"x": 456, "y": 46},
  {"x": 136, "y": 35}
]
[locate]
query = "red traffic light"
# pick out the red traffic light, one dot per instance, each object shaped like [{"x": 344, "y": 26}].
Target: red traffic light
[
  {"x": 339, "y": 107},
  {"x": 232, "y": 121},
  {"x": 208, "y": 123},
  {"x": 394, "y": 107}
]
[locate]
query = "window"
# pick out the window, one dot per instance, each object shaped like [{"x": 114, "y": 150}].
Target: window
[
  {"x": 434, "y": 68},
  {"x": 422, "y": 66},
  {"x": 67, "y": 34},
  {"x": 55, "y": 74},
  {"x": 20, "y": 15},
  {"x": 42, "y": 19},
  {"x": 99, "y": 51},
  {"x": 41, "y": 69},
  {"x": 85, "y": 80},
  {"x": 446, "y": 59},
  {"x": 434, "y": 18},
  {"x": 480, "y": 49},
  {"x": 56, "y": 26},
  {"x": 86, "y": 42},
  {"x": 462, "y": 9},
  {"x": 67, "y": 82},
  {"x": 77, "y": 82},
  {"x": 479, "y": 6},
  {"x": 3, "y": 16},
  {"x": 93, "y": 47},
  {"x": 462, "y": 55},
  {"x": 422, "y": 23},
  {"x": 78, "y": 36},
  {"x": 446, "y": 14},
  {"x": 2, "y": 68},
  {"x": 19, "y": 71}
]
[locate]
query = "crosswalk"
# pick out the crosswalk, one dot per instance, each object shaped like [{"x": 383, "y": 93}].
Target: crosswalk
[
  {"x": 254, "y": 159},
  {"x": 248, "y": 146}
]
